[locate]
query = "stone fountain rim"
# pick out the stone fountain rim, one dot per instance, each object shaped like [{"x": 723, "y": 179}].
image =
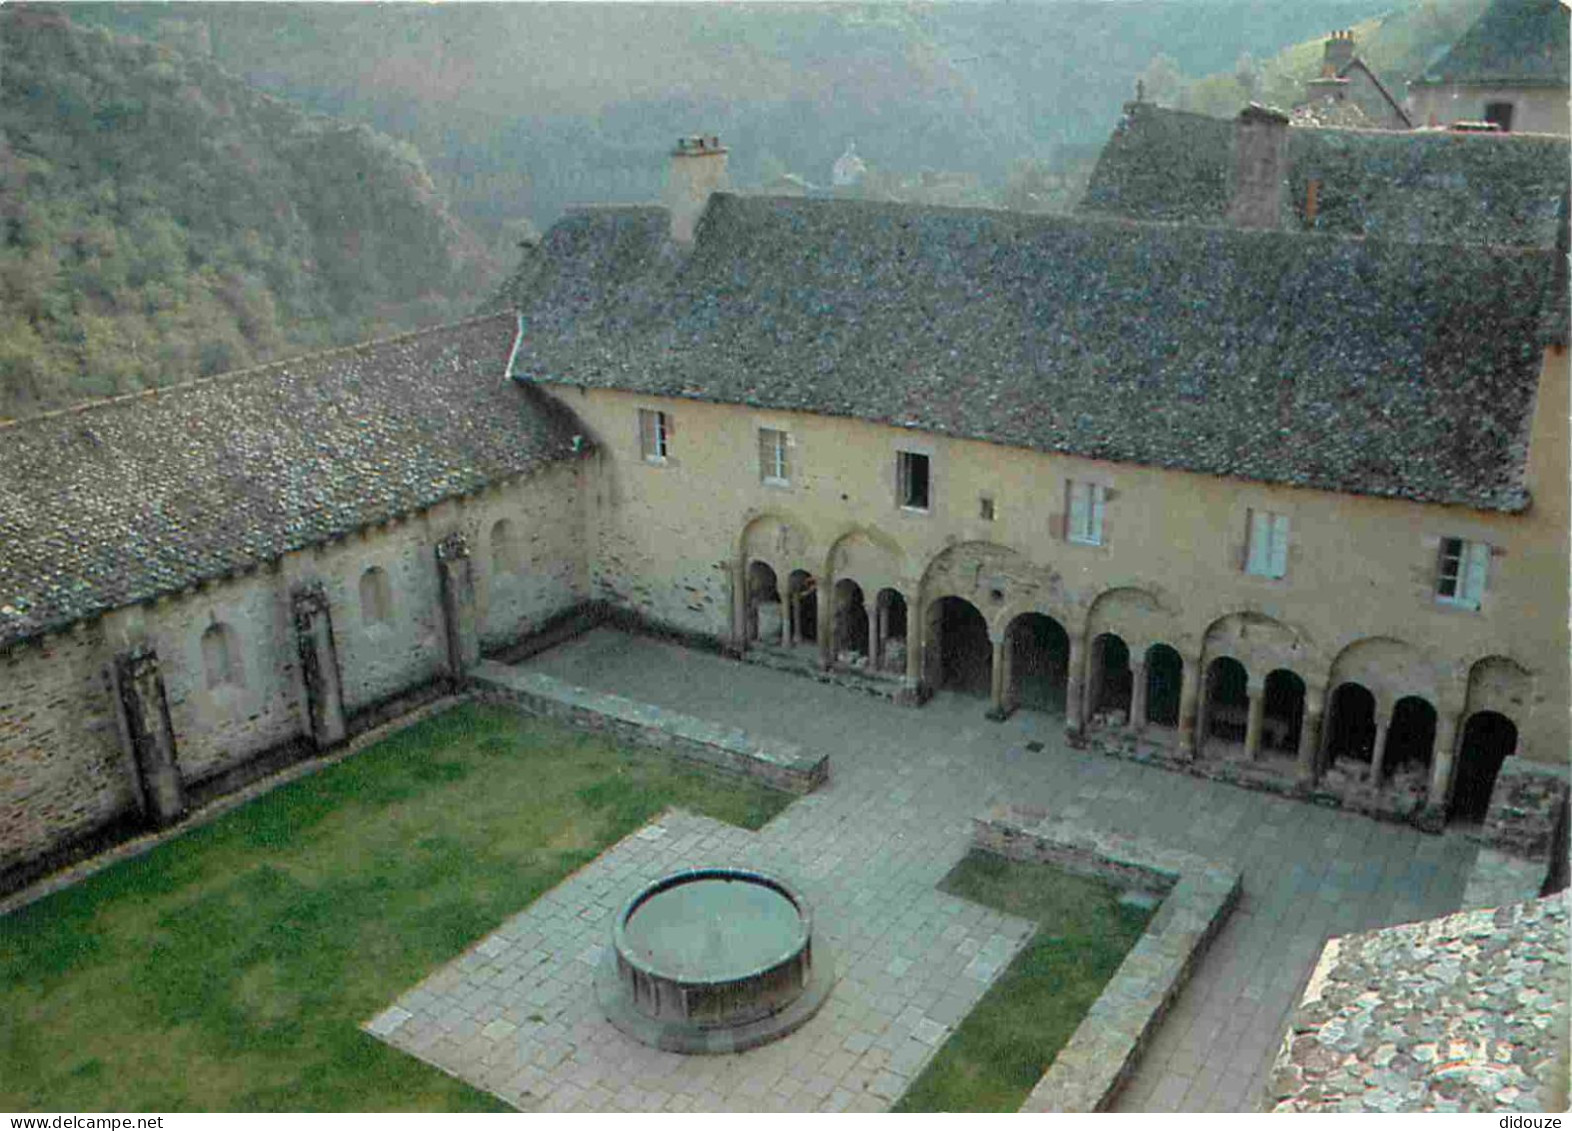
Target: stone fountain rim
[{"x": 682, "y": 876}]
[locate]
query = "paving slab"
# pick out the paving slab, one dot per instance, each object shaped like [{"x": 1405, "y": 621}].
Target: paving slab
[{"x": 867, "y": 850}]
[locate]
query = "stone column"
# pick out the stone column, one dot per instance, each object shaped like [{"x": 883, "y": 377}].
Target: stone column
[
  {"x": 825, "y": 618},
  {"x": 1074, "y": 687},
  {"x": 1137, "y": 696},
  {"x": 458, "y": 604},
  {"x": 324, "y": 706},
  {"x": 996, "y": 709},
  {"x": 1255, "y": 712},
  {"x": 741, "y": 599},
  {"x": 1441, "y": 763},
  {"x": 875, "y": 634},
  {"x": 916, "y": 641},
  {"x": 788, "y": 616},
  {"x": 1189, "y": 718},
  {"x": 1378, "y": 755},
  {"x": 150, "y": 739},
  {"x": 1310, "y": 737}
]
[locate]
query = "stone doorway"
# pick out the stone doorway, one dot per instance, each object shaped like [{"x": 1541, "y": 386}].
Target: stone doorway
[
  {"x": 1488, "y": 739},
  {"x": 1039, "y": 662},
  {"x": 962, "y": 653}
]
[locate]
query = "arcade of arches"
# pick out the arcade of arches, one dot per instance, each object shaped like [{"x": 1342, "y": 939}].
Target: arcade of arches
[{"x": 1223, "y": 707}]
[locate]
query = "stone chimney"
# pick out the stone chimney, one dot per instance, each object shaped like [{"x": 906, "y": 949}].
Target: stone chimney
[
  {"x": 1339, "y": 53},
  {"x": 1260, "y": 168},
  {"x": 698, "y": 168}
]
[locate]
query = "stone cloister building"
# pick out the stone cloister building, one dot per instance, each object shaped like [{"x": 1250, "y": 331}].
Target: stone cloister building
[{"x": 1272, "y": 503}]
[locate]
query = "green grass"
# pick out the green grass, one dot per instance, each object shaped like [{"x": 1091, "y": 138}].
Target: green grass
[
  {"x": 1006, "y": 1043},
  {"x": 229, "y": 969}
]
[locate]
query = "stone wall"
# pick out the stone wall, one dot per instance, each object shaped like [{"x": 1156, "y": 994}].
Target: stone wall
[
  {"x": 1198, "y": 896},
  {"x": 783, "y": 765},
  {"x": 672, "y": 540},
  {"x": 68, "y": 778}
]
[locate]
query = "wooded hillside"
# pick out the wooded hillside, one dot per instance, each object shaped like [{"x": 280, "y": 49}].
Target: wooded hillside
[{"x": 163, "y": 220}]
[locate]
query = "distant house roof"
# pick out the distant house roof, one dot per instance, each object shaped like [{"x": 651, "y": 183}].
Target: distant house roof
[
  {"x": 1351, "y": 365},
  {"x": 1514, "y": 43},
  {"x": 1424, "y": 186},
  {"x": 124, "y": 500}
]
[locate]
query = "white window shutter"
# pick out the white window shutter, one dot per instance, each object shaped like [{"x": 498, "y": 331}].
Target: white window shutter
[
  {"x": 1279, "y": 562},
  {"x": 1476, "y": 562},
  {"x": 1077, "y": 512},
  {"x": 1098, "y": 499},
  {"x": 1255, "y": 561}
]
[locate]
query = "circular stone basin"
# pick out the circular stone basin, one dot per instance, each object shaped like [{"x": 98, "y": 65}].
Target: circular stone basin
[{"x": 712, "y": 960}]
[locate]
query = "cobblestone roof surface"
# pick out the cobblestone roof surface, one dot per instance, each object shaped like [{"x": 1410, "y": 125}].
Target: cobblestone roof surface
[
  {"x": 1349, "y": 365},
  {"x": 1515, "y": 43},
  {"x": 1463, "y": 1013},
  {"x": 123, "y": 500},
  {"x": 1424, "y": 186}
]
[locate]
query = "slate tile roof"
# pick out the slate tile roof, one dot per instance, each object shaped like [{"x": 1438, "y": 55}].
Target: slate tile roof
[
  {"x": 1442, "y": 187},
  {"x": 1363, "y": 366},
  {"x": 120, "y": 501},
  {"x": 1514, "y": 43}
]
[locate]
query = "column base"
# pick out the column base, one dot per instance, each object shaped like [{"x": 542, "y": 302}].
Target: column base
[
  {"x": 998, "y": 714},
  {"x": 1429, "y": 819}
]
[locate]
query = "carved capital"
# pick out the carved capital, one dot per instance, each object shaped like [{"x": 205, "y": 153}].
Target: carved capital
[
  {"x": 453, "y": 548},
  {"x": 307, "y": 601}
]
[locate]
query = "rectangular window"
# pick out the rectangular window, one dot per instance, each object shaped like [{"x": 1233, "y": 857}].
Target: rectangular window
[
  {"x": 654, "y": 435},
  {"x": 1460, "y": 572},
  {"x": 1086, "y": 513},
  {"x": 774, "y": 462},
  {"x": 1268, "y": 551},
  {"x": 912, "y": 474},
  {"x": 985, "y": 507}
]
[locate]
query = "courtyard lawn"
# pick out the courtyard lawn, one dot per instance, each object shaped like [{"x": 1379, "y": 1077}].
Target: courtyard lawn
[
  {"x": 228, "y": 969},
  {"x": 1002, "y": 1048}
]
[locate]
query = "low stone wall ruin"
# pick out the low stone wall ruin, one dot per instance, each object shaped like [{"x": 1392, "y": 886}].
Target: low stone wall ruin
[
  {"x": 1198, "y": 896},
  {"x": 783, "y": 765}
]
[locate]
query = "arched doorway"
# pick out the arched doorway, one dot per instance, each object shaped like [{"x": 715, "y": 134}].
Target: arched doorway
[
  {"x": 1411, "y": 738},
  {"x": 1227, "y": 700},
  {"x": 1039, "y": 662},
  {"x": 1282, "y": 712},
  {"x": 1109, "y": 693},
  {"x": 1164, "y": 682},
  {"x": 851, "y": 624},
  {"x": 1488, "y": 739},
  {"x": 890, "y": 608},
  {"x": 803, "y": 597},
  {"x": 962, "y": 654},
  {"x": 764, "y": 604},
  {"x": 1350, "y": 732}
]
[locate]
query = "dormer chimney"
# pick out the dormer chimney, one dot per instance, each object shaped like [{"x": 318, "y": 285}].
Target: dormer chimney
[
  {"x": 698, "y": 168},
  {"x": 1339, "y": 53}
]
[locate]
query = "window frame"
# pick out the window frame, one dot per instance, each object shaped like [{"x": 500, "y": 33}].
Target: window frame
[
  {"x": 1266, "y": 544},
  {"x": 905, "y": 481},
  {"x": 777, "y": 459},
  {"x": 1090, "y": 501},
  {"x": 1469, "y": 577},
  {"x": 655, "y": 435},
  {"x": 375, "y": 590}
]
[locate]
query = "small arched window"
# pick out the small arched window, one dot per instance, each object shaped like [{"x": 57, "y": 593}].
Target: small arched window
[
  {"x": 504, "y": 548},
  {"x": 221, "y": 656},
  {"x": 376, "y": 597}
]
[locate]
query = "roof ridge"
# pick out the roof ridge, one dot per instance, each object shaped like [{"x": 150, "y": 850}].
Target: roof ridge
[{"x": 235, "y": 374}]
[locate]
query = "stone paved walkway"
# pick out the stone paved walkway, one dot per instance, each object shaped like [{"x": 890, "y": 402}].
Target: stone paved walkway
[{"x": 516, "y": 1014}]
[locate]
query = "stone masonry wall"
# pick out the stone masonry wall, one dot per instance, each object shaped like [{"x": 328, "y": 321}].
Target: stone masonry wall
[
  {"x": 64, "y": 777},
  {"x": 61, "y": 769}
]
